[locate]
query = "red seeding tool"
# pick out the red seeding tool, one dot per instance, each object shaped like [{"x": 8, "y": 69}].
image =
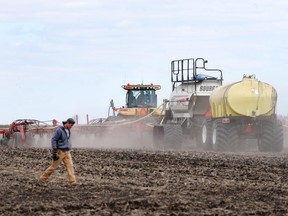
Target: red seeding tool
[{"x": 22, "y": 132}]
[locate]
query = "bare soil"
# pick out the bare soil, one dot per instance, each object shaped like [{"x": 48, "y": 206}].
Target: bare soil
[{"x": 138, "y": 182}]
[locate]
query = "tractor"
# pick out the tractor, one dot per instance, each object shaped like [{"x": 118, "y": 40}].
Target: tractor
[{"x": 132, "y": 123}]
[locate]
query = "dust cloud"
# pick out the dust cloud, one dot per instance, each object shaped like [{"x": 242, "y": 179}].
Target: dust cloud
[
  {"x": 113, "y": 141},
  {"x": 127, "y": 139},
  {"x": 285, "y": 138},
  {"x": 123, "y": 140}
]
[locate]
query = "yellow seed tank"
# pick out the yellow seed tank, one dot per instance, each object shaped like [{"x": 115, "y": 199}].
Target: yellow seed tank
[{"x": 249, "y": 97}]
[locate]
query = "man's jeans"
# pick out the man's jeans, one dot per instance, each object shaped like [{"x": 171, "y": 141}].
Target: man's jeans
[{"x": 64, "y": 156}]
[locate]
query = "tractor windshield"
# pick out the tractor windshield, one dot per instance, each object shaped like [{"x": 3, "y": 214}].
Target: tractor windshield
[{"x": 141, "y": 98}]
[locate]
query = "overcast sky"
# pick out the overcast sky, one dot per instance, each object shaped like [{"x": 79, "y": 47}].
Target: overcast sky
[{"x": 67, "y": 57}]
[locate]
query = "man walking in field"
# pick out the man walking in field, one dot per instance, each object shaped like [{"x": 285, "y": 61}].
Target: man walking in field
[{"x": 61, "y": 147}]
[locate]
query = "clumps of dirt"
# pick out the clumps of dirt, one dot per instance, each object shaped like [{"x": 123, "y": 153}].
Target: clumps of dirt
[{"x": 131, "y": 182}]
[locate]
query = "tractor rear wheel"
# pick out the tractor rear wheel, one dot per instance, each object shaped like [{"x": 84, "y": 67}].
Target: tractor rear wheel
[
  {"x": 219, "y": 136},
  {"x": 224, "y": 136},
  {"x": 206, "y": 135},
  {"x": 158, "y": 137},
  {"x": 233, "y": 138},
  {"x": 173, "y": 136},
  {"x": 279, "y": 138},
  {"x": 271, "y": 138}
]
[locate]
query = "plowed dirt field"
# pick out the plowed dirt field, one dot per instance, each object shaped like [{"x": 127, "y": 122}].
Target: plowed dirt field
[{"x": 138, "y": 182}]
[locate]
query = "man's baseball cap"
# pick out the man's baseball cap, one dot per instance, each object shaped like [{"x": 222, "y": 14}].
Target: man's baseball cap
[{"x": 70, "y": 121}]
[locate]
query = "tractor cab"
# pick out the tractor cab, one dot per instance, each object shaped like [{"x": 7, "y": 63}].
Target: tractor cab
[
  {"x": 141, "y": 95},
  {"x": 140, "y": 99}
]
